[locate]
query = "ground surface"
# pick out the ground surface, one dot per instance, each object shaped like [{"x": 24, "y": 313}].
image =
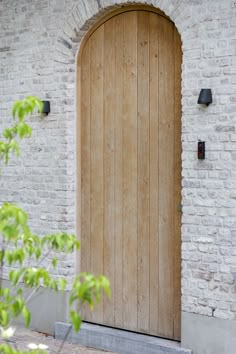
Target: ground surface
[{"x": 24, "y": 337}]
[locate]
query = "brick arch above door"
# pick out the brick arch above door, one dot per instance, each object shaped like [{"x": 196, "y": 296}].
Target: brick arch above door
[{"x": 87, "y": 12}]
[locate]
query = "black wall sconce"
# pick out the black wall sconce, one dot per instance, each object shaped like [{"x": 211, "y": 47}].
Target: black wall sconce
[
  {"x": 46, "y": 107},
  {"x": 205, "y": 97}
]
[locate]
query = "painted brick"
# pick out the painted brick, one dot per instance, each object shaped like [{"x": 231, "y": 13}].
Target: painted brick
[{"x": 39, "y": 41}]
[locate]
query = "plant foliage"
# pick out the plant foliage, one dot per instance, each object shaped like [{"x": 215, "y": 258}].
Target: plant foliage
[{"x": 24, "y": 252}]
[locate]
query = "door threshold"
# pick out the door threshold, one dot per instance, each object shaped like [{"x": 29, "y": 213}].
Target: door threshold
[{"x": 118, "y": 341}]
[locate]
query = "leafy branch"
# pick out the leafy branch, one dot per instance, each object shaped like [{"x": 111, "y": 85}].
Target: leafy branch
[
  {"x": 24, "y": 252},
  {"x": 20, "y": 129}
]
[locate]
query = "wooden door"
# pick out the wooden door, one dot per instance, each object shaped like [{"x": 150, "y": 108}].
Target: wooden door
[{"x": 130, "y": 170}]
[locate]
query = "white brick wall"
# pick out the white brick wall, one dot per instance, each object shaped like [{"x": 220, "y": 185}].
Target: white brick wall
[{"x": 38, "y": 45}]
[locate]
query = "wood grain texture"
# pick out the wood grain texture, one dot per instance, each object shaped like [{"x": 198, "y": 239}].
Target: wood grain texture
[
  {"x": 118, "y": 285},
  {"x": 177, "y": 189},
  {"x": 143, "y": 171},
  {"x": 166, "y": 172},
  {"x": 109, "y": 93},
  {"x": 130, "y": 147},
  {"x": 154, "y": 173},
  {"x": 96, "y": 160},
  {"x": 85, "y": 165},
  {"x": 130, "y": 124},
  {"x": 118, "y": 11}
]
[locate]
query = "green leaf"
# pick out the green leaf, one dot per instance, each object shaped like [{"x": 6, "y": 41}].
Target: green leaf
[
  {"x": 76, "y": 320},
  {"x": 5, "y": 292},
  {"x": 6, "y": 349},
  {"x": 62, "y": 282},
  {"x": 4, "y": 315},
  {"x": 8, "y": 133},
  {"x": 15, "y": 275},
  {"x": 36, "y": 102},
  {"x": 55, "y": 262},
  {"x": 27, "y": 316},
  {"x": 22, "y": 217},
  {"x": 105, "y": 284},
  {"x": 15, "y": 108},
  {"x": 23, "y": 129},
  {"x": 26, "y": 106},
  {"x": 14, "y": 147},
  {"x": 2, "y": 255}
]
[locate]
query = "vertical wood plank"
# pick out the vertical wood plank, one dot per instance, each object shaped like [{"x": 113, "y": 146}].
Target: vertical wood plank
[
  {"x": 108, "y": 162},
  {"x": 130, "y": 172},
  {"x": 154, "y": 173},
  {"x": 85, "y": 161},
  {"x": 166, "y": 172},
  {"x": 85, "y": 164},
  {"x": 177, "y": 187},
  {"x": 143, "y": 171},
  {"x": 118, "y": 290},
  {"x": 78, "y": 166},
  {"x": 97, "y": 173}
]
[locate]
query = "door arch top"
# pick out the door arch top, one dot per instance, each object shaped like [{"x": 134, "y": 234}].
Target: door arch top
[{"x": 86, "y": 13}]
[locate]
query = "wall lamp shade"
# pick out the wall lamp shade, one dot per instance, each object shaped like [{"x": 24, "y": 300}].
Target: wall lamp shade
[
  {"x": 205, "y": 97},
  {"x": 46, "y": 107}
]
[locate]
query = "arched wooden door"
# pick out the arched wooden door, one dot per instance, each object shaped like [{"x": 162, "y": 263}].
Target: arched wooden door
[{"x": 130, "y": 169}]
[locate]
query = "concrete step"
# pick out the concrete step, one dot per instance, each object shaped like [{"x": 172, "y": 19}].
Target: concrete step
[{"x": 118, "y": 341}]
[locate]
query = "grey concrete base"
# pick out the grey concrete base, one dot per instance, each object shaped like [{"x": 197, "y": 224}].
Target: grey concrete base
[
  {"x": 118, "y": 341},
  {"x": 208, "y": 335},
  {"x": 47, "y": 307}
]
